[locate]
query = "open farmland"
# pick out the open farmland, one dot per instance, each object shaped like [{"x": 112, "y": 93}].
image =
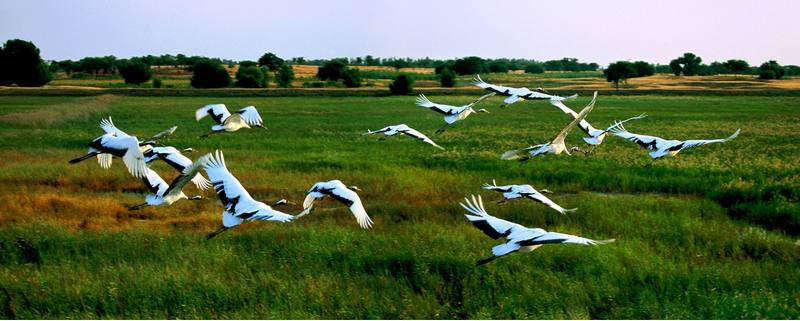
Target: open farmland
[{"x": 711, "y": 234}]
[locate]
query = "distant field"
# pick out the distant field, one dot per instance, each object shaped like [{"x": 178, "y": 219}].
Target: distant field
[
  {"x": 381, "y": 76},
  {"x": 711, "y": 234}
]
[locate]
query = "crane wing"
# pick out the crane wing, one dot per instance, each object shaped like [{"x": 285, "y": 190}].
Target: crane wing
[
  {"x": 228, "y": 188},
  {"x": 700, "y": 142},
  {"x": 108, "y": 126},
  {"x": 218, "y": 112},
  {"x": 133, "y": 157},
  {"x": 416, "y": 134},
  {"x": 648, "y": 142},
  {"x": 105, "y": 160},
  {"x": 188, "y": 174},
  {"x": 351, "y": 199},
  {"x": 423, "y": 101},
  {"x": 559, "y": 139},
  {"x": 503, "y": 90},
  {"x": 539, "y": 197},
  {"x": 155, "y": 184},
  {"x": 250, "y": 116},
  {"x": 480, "y": 99},
  {"x": 490, "y": 225},
  {"x": 553, "y": 237},
  {"x": 585, "y": 126},
  {"x": 164, "y": 133}
]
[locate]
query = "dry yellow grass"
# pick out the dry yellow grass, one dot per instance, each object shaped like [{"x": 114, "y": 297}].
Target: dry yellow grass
[
  {"x": 57, "y": 113},
  {"x": 671, "y": 82}
]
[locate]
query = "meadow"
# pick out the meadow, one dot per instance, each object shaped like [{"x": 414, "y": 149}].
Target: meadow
[{"x": 710, "y": 234}]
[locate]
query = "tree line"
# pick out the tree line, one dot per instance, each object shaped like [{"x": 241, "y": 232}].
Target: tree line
[{"x": 21, "y": 64}]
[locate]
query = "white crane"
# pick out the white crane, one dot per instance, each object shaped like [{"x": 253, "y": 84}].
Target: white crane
[
  {"x": 596, "y": 136},
  {"x": 518, "y": 237},
  {"x": 518, "y": 94},
  {"x": 116, "y": 143},
  {"x": 168, "y": 194},
  {"x": 239, "y": 206},
  {"x": 660, "y": 147},
  {"x": 555, "y": 146},
  {"x": 404, "y": 129},
  {"x": 452, "y": 114},
  {"x": 516, "y": 191},
  {"x": 338, "y": 191},
  {"x": 105, "y": 159},
  {"x": 246, "y": 117},
  {"x": 174, "y": 158}
]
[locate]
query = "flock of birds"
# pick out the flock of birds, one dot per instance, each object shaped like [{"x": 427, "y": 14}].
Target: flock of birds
[{"x": 239, "y": 207}]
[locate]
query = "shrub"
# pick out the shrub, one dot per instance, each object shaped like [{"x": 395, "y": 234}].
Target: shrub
[
  {"x": 351, "y": 78},
  {"x": 250, "y": 77},
  {"x": 448, "y": 78},
  {"x": 534, "y": 68},
  {"x": 284, "y": 76},
  {"x": 79, "y": 75},
  {"x": 209, "y": 74},
  {"x": 134, "y": 72},
  {"x": 402, "y": 85},
  {"x": 157, "y": 83}
]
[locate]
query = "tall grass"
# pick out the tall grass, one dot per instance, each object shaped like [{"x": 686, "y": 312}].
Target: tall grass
[{"x": 709, "y": 234}]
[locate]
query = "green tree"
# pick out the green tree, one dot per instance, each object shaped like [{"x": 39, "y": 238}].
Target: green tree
[
  {"x": 676, "y": 66},
  {"x": 247, "y": 63},
  {"x": 250, "y": 77},
  {"x": 20, "y": 63},
  {"x": 499, "y": 65},
  {"x": 736, "y": 66},
  {"x": 209, "y": 74},
  {"x": 271, "y": 61},
  {"x": 332, "y": 70},
  {"x": 534, "y": 68},
  {"x": 771, "y": 70},
  {"x": 689, "y": 64},
  {"x": 468, "y": 65},
  {"x": 284, "y": 76},
  {"x": 351, "y": 78},
  {"x": 447, "y": 77},
  {"x": 643, "y": 69},
  {"x": 402, "y": 85},
  {"x": 619, "y": 71},
  {"x": 134, "y": 72}
]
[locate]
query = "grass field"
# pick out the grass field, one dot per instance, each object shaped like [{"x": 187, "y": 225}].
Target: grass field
[{"x": 710, "y": 234}]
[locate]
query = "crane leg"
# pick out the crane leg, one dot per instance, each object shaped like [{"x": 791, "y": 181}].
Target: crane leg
[
  {"x": 137, "y": 207},
  {"x": 208, "y": 134},
  {"x": 82, "y": 158},
  {"x": 217, "y": 232},
  {"x": 441, "y": 129},
  {"x": 486, "y": 260}
]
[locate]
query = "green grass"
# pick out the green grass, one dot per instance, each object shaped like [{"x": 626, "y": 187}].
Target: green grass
[{"x": 707, "y": 235}]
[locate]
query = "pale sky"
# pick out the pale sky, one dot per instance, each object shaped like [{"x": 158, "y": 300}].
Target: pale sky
[{"x": 591, "y": 30}]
